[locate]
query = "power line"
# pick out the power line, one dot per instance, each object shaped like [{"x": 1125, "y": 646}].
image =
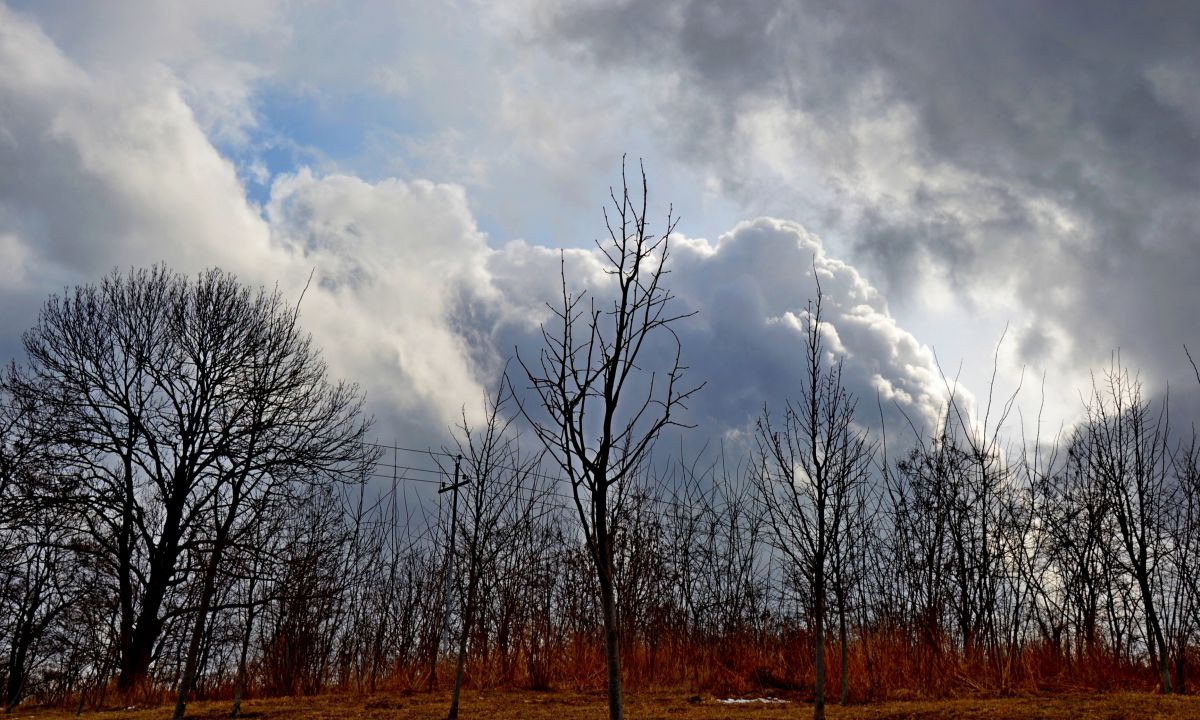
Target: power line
[
  {"x": 525, "y": 471},
  {"x": 568, "y": 499}
]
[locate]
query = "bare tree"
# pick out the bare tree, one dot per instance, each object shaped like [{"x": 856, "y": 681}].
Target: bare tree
[
  {"x": 44, "y": 570},
  {"x": 715, "y": 553},
  {"x": 602, "y": 397},
  {"x": 501, "y": 495},
  {"x": 281, "y": 422},
  {"x": 809, "y": 471},
  {"x": 1184, "y": 531},
  {"x": 1077, "y": 517},
  {"x": 179, "y": 403},
  {"x": 847, "y": 549},
  {"x": 984, "y": 517},
  {"x": 1128, "y": 441}
]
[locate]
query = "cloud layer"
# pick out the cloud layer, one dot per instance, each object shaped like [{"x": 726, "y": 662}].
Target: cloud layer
[
  {"x": 750, "y": 290},
  {"x": 109, "y": 169},
  {"x": 983, "y": 165},
  {"x": 1036, "y": 162}
]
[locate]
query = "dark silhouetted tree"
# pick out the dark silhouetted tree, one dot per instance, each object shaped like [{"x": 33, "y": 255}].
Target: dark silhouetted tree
[
  {"x": 608, "y": 380},
  {"x": 809, "y": 470},
  {"x": 183, "y": 407}
]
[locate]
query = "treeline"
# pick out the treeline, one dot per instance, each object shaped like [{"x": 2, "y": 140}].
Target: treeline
[{"x": 190, "y": 507}]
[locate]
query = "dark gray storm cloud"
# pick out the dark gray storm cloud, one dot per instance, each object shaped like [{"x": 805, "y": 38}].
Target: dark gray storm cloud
[{"x": 1047, "y": 152}]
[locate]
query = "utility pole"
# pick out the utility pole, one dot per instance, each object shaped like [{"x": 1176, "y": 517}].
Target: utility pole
[{"x": 437, "y": 636}]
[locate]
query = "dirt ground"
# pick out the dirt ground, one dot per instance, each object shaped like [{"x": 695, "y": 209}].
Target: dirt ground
[{"x": 510, "y": 705}]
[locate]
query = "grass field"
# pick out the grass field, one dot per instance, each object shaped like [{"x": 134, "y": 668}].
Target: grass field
[{"x": 571, "y": 706}]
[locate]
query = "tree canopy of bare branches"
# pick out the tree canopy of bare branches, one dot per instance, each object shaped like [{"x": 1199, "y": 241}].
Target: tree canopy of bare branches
[
  {"x": 184, "y": 409},
  {"x": 598, "y": 408},
  {"x": 811, "y": 470}
]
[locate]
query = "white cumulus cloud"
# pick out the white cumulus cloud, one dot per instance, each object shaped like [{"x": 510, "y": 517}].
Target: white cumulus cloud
[{"x": 106, "y": 167}]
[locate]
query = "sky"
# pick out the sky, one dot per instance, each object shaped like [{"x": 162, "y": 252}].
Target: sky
[{"x": 1007, "y": 184}]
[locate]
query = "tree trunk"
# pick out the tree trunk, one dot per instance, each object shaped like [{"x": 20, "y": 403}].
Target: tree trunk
[
  {"x": 239, "y": 689},
  {"x": 16, "y": 674},
  {"x": 612, "y": 650},
  {"x": 1156, "y": 638},
  {"x": 1180, "y": 665},
  {"x": 136, "y": 657},
  {"x": 819, "y": 641},
  {"x": 606, "y": 571},
  {"x": 191, "y": 666},
  {"x": 463, "y": 636},
  {"x": 844, "y": 680}
]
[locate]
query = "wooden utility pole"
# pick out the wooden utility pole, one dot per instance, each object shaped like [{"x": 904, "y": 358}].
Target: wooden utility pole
[{"x": 437, "y": 636}]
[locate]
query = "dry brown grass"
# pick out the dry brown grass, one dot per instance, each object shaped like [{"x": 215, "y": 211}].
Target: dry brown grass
[{"x": 510, "y": 705}]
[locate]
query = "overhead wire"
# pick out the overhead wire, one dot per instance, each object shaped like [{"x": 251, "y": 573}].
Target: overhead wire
[{"x": 527, "y": 472}]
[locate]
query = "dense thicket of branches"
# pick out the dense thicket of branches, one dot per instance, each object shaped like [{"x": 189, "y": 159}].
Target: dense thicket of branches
[
  {"x": 811, "y": 469},
  {"x": 191, "y": 510},
  {"x": 158, "y": 424},
  {"x": 973, "y": 569}
]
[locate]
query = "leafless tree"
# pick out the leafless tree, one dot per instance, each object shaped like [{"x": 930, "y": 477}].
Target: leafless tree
[
  {"x": 1076, "y": 514},
  {"x": 985, "y": 529},
  {"x": 717, "y": 556},
  {"x": 281, "y": 422},
  {"x": 44, "y": 570},
  {"x": 502, "y": 494},
  {"x": 179, "y": 404},
  {"x": 602, "y": 398},
  {"x": 1179, "y": 597},
  {"x": 809, "y": 470},
  {"x": 1184, "y": 533},
  {"x": 1128, "y": 439}
]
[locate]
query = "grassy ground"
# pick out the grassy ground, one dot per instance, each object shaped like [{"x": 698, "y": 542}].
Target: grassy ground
[{"x": 572, "y": 706}]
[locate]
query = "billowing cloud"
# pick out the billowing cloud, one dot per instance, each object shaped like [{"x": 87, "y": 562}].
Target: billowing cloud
[
  {"x": 105, "y": 171},
  {"x": 110, "y": 169},
  {"x": 402, "y": 297},
  {"x": 753, "y": 286},
  {"x": 1034, "y": 162},
  {"x": 102, "y": 169},
  {"x": 750, "y": 291}
]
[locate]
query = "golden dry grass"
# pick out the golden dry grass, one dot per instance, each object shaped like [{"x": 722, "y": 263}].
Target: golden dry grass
[{"x": 510, "y": 705}]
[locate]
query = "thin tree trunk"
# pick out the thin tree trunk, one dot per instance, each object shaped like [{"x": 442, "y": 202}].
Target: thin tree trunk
[
  {"x": 192, "y": 664},
  {"x": 239, "y": 689},
  {"x": 612, "y": 650},
  {"x": 844, "y": 680},
  {"x": 1156, "y": 637},
  {"x": 606, "y": 574},
  {"x": 463, "y": 636},
  {"x": 819, "y": 642},
  {"x": 1180, "y": 666}
]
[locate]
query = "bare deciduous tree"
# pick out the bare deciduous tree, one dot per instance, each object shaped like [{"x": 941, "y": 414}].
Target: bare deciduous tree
[
  {"x": 809, "y": 471},
  {"x": 501, "y": 496},
  {"x": 1128, "y": 442},
  {"x": 179, "y": 404},
  {"x": 602, "y": 397}
]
